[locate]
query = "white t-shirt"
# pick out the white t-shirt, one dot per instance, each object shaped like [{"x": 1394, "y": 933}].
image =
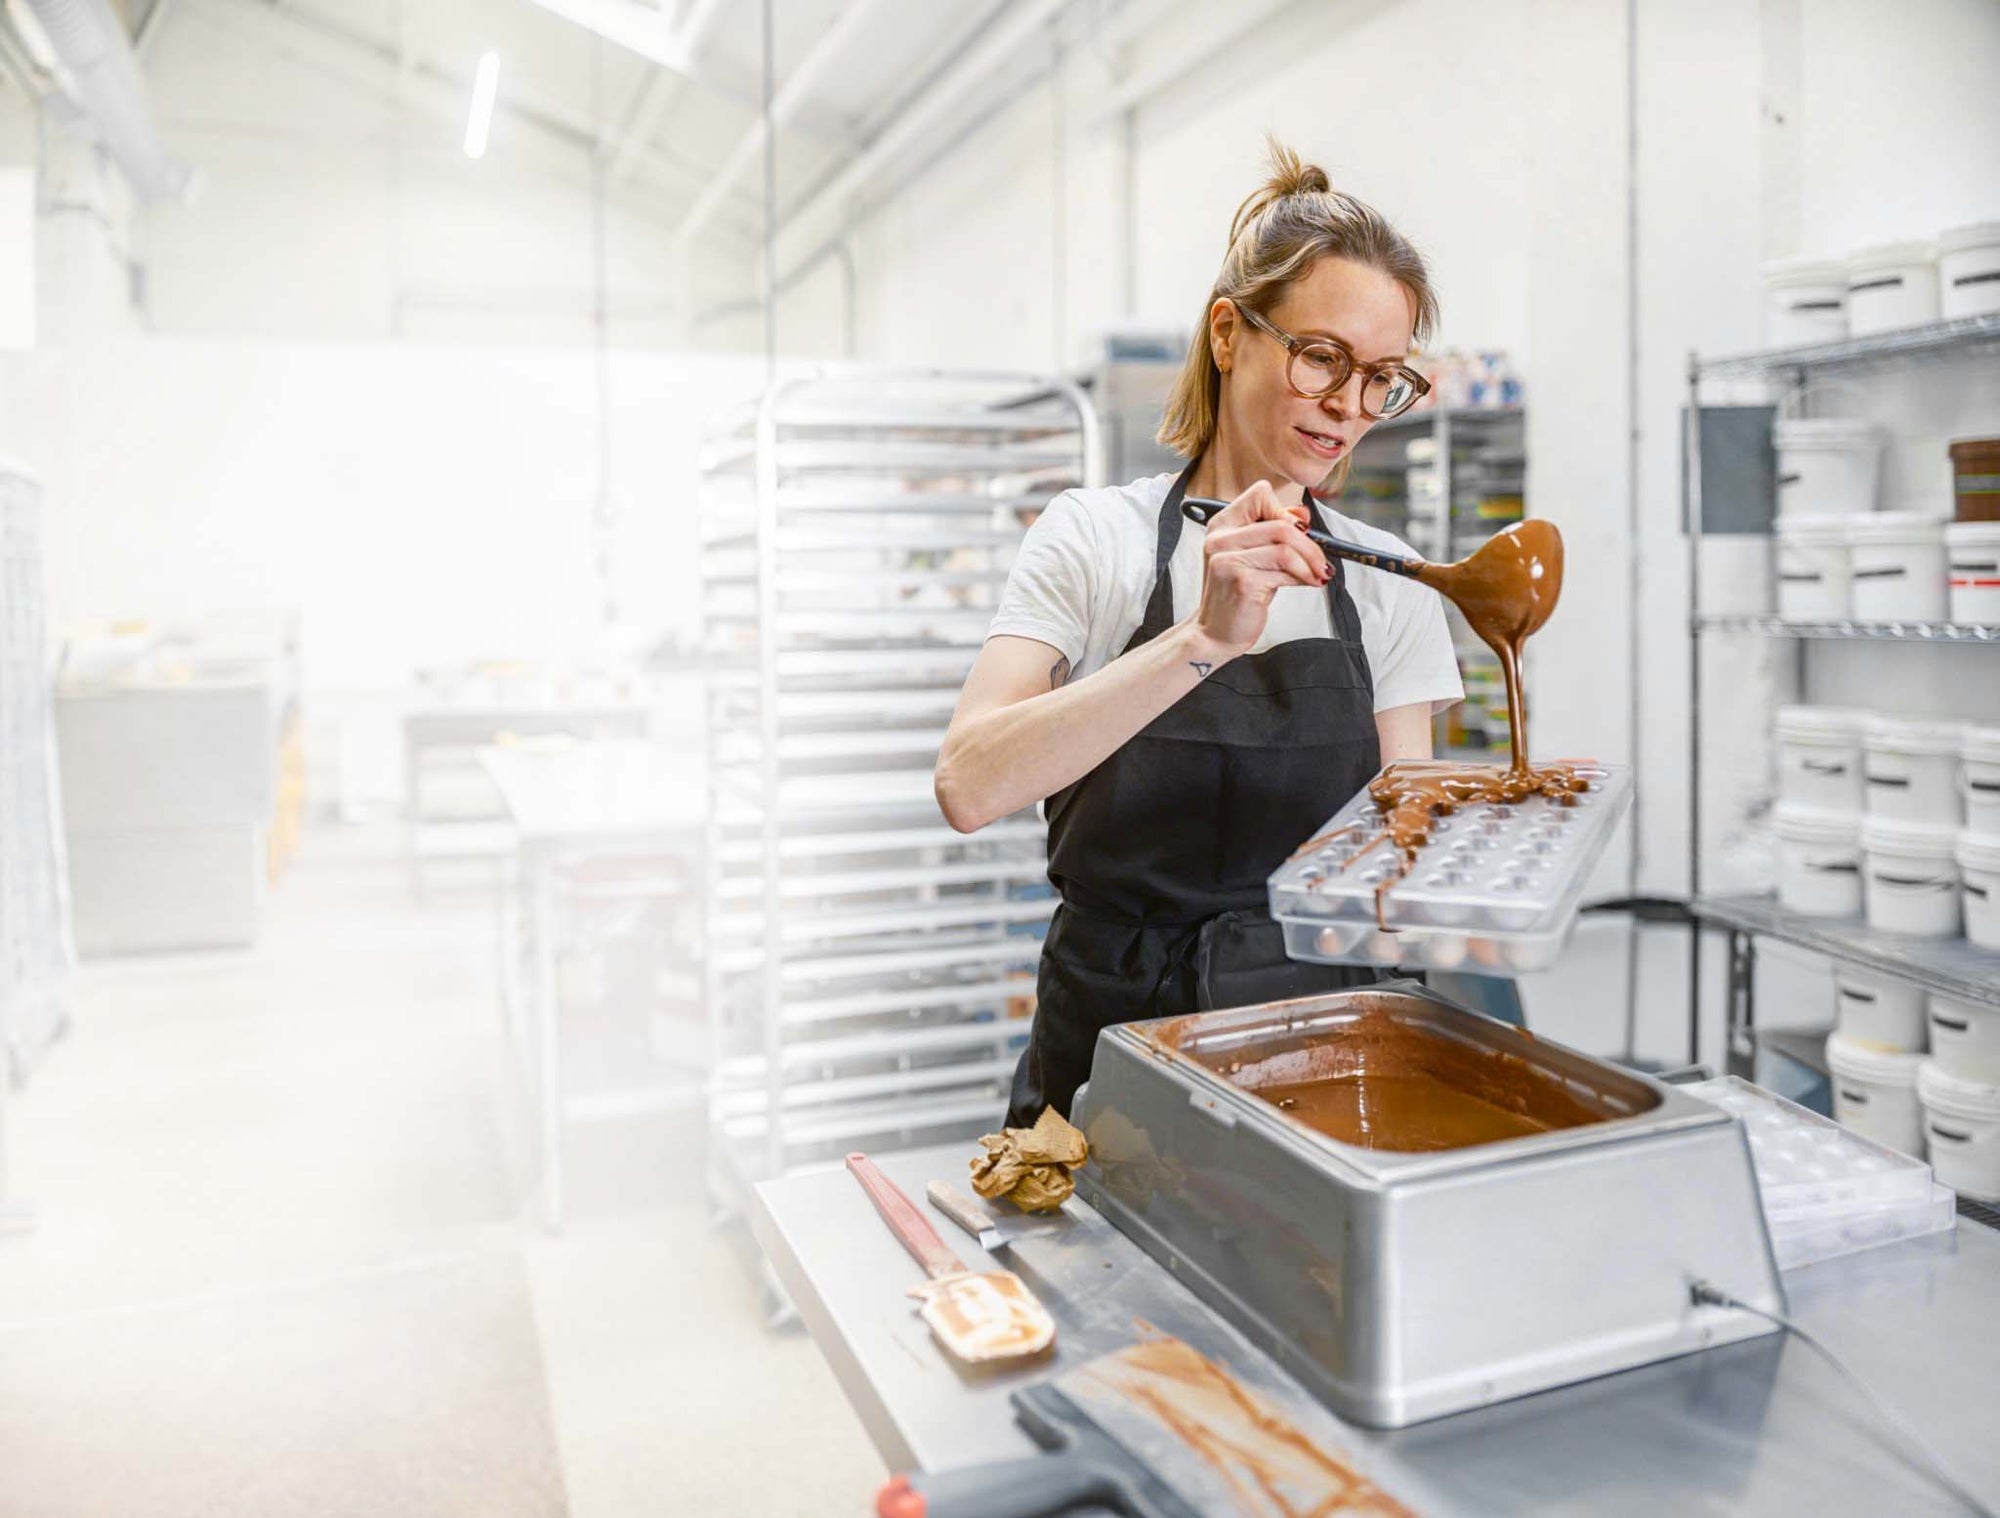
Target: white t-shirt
[{"x": 1085, "y": 569}]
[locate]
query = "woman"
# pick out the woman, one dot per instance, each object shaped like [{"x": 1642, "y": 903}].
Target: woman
[{"x": 1192, "y": 703}]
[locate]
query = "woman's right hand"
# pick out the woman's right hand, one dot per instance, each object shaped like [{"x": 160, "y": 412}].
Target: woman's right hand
[{"x": 1254, "y": 547}]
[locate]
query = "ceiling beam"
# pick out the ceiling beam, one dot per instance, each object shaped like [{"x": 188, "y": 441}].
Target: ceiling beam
[
  {"x": 149, "y": 28},
  {"x": 628, "y": 24},
  {"x": 927, "y": 113},
  {"x": 785, "y": 104},
  {"x": 1159, "y": 75},
  {"x": 661, "y": 89},
  {"x": 395, "y": 76}
]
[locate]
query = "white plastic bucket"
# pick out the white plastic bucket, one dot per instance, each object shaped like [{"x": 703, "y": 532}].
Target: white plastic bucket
[
  {"x": 1979, "y": 779},
  {"x": 1910, "y": 770},
  {"x": 1895, "y": 285},
  {"x": 1805, "y": 301},
  {"x": 1909, "y": 879},
  {"x": 1826, "y": 468},
  {"x": 1897, "y": 572},
  {"x": 1972, "y": 571},
  {"x": 1819, "y": 757},
  {"x": 1961, "y": 1131},
  {"x": 1968, "y": 270},
  {"x": 1965, "y": 1039},
  {"x": 1978, "y": 856},
  {"x": 1875, "y": 1093},
  {"x": 1819, "y": 862},
  {"x": 1813, "y": 567},
  {"x": 1882, "y": 1011}
]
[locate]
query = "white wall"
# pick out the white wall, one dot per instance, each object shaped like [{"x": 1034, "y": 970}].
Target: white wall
[
  {"x": 959, "y": 266},
  {"x": 417, "y": 504}
]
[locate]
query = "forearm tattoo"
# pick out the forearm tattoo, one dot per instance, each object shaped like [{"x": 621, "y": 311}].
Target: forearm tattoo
[{"x": 1201, "y": 667}]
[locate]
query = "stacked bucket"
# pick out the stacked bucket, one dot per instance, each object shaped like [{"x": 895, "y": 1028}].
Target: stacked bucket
[
  {"x": 1919, "y": 1072},
  {"x": 1897, "y": 823},
  {"x": 1890, "y": 820},
  {"x": 1840, "y": 559}
]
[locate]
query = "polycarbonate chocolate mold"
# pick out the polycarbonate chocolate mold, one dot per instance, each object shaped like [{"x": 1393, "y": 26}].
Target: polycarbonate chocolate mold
[{"x": 1496, "y": 887}]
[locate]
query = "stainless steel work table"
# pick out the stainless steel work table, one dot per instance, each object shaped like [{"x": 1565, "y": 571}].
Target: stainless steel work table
[
  {"x": 569, "y": 801},
  {"x": 1758, "y": 1427}
]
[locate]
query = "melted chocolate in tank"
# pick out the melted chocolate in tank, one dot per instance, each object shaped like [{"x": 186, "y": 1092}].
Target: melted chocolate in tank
[
  {"x": 1379, "y": 1083},
  {"x": 1407, "y": 1113}
]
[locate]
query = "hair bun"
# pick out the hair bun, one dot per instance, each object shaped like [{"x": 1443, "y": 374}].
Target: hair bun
[{"x": 1290, "y": 175}]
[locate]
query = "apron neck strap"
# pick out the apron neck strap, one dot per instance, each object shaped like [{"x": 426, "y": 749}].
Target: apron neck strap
[{"x": 1160, "y": 604}]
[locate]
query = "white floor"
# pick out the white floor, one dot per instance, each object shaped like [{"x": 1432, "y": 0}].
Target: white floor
[{"x": 285, "y": 1264}]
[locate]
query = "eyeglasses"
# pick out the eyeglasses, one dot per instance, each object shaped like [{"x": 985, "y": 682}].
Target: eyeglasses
[{"x": 1317, "y": 367}]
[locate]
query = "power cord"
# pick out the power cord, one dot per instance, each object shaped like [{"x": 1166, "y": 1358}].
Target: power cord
[{"x": 1706, "y": 1293}]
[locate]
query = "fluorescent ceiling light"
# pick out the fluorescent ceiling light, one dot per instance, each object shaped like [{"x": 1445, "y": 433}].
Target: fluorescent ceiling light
[{"x": 485, "y": 85}]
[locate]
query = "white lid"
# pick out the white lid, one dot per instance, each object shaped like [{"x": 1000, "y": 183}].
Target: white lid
[
  {"x": 1977, "y": 234},
  {"x": 1920, "y": 502},
  {"x": 1971, "y": 534},
  {"x": 1890, "y": 255},
  {"x": 1805, "y": 271},
  {"x": 1951, "y": 1006},
  {"x": 1813, "y": 531},
  {"x": 1862, "y": 977},
  {"x": 1981, "y": 745},
  {"x": 1979, "y": 851},
  {"x": 1906, "y": 736},
  {"x": 1819, "y": 722},
  {"x": 1807, "y": 824},
  {"x": 1895, "y": 527},
  {"x": 1825, "y": 432},
  {"x": 1908, "y": 840},
  {"x": 1866, "y": 1062},
  {"x": 1954, "y": 1095}
]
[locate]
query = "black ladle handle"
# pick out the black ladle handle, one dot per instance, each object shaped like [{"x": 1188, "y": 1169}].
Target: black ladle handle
[{"x": 1201, "y": 509}]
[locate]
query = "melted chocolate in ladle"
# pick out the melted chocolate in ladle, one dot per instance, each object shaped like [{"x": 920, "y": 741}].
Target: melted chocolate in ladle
[{"x": 1507, "y": 590}]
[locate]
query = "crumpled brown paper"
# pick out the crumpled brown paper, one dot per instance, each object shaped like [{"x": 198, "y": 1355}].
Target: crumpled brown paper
[{"x": 1031, "y": 1166}]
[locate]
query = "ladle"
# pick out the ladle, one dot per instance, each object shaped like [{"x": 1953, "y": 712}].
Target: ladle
[{"x": 1507, "y": 589}]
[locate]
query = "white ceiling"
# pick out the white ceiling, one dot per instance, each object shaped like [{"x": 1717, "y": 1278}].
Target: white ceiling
[{"x": 667, "y": 135}]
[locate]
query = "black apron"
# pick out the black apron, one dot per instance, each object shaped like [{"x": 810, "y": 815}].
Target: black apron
[{"x": 1162, "y": 852}]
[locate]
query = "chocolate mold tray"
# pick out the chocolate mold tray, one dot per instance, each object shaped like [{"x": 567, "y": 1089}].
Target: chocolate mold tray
[
  {"x": 1826, "y": 1191},
  {"x": 1496, "y": 887}
]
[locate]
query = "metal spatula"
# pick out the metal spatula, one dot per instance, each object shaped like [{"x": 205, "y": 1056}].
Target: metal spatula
[{"x": 977, "y": 1318}]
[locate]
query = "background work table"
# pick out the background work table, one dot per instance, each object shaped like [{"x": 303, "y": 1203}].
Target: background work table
[{"x": 1758, "y": 1427}]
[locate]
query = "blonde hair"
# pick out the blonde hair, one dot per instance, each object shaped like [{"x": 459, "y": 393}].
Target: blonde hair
[{"x": 1295, "y": 219}]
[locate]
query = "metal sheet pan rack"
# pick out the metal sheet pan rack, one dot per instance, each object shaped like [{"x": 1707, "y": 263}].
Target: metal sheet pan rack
[
  {"x": 35, "y": 944},
  {"x": 1952, "y": 966},
  {"x": 868, "y": 970}
]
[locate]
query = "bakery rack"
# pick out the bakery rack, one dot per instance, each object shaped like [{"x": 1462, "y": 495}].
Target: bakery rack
[
  {"x": 868, "y": 971},
  {"x": 35, "y": 948}
]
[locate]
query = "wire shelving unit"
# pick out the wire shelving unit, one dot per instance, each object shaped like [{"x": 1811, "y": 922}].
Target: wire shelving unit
[
  {"x": 868, "y": 972},
  {"x": 1953, "y": 967},
  {"x": 35, "y": 945}
]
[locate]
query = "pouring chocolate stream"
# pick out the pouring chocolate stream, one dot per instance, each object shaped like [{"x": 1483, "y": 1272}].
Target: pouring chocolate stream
[{"x": 1507, "y": 589}]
